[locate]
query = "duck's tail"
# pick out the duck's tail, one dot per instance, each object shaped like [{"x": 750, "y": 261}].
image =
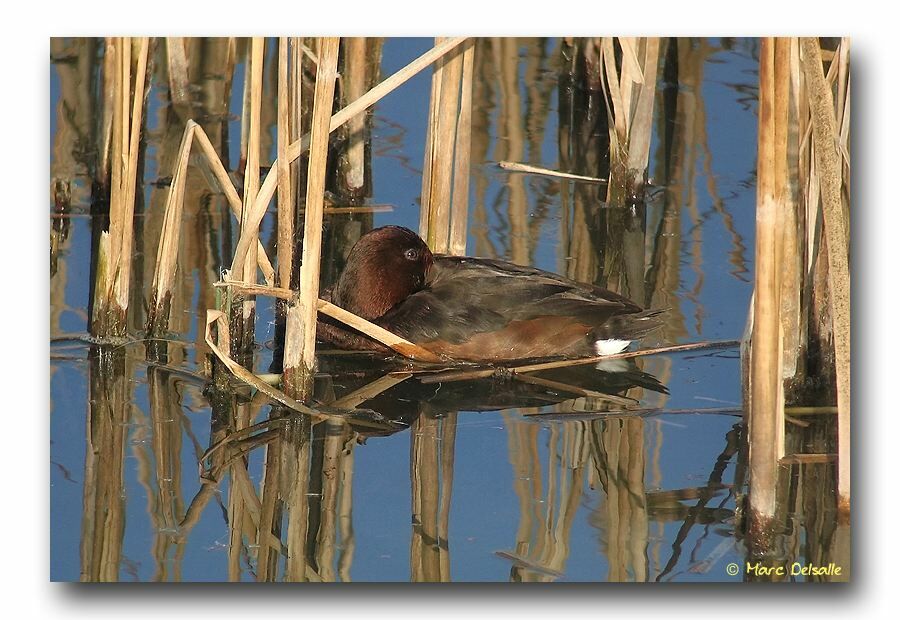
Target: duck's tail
[{"x": 618, "y": 332}]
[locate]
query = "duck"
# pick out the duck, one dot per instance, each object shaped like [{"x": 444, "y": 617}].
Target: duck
[{"x": 469, "y": 309}]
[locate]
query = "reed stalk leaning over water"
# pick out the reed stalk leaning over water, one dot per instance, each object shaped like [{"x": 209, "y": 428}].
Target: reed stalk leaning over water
[{"x": 827, "y": 136}]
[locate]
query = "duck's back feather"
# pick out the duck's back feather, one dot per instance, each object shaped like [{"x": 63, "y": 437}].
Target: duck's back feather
[{"x": 484, "y": 309}]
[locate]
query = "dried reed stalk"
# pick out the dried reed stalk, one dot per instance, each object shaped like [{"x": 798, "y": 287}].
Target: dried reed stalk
[
  {"x": 437, "y": 193},
  {"x": 379, "y": 334},
  {"x": 792, "y": 294},
  {"x": 104, "y": 138},
  {"x": 390, "y": 340},
  {"x": 354, "y": 86},
  {"x": 244, "y": 266},
  {"x": 167, "y": 252},
  {"x": 179, "y": 85},
  {"x": 103, "y": 522},
  {"x": 441, "y": 141},
  {"x": 295, "y": 489},
  {"x": 766, "y": 414},
  {"x": 299, "y": 353},
  {"x": 459, "y": 214},
  {"x": 372, "y": 96},
  {"x": 285, "y": 186},
  {"x": 112, "y": 293},
  {"x": 826, "y": 138},
  {"x": 221, "y": 344},
  {"x": 632, "y": 91},
  {"x": 641, "y": 128},
  {"x": 234, "y": 200}
]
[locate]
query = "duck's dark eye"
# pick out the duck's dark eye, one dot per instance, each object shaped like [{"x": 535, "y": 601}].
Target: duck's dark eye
[{"x": 411, "y": 255}]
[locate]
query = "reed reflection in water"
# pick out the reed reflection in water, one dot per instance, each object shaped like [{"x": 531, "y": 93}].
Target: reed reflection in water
[{"x": 593, "y": 489}]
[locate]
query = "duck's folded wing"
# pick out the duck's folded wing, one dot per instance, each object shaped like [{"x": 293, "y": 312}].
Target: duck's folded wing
[{"x": 426, "y": 317}]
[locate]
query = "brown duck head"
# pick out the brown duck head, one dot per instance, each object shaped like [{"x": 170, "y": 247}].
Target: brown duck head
[{"x": 386, "y": 266}]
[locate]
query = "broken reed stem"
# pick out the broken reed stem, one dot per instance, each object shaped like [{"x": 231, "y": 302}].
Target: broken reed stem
[
  {"x": 632, "y": 91},
  {"x": 167, "y": 252},
  {"x": 830, "y": 172},
  {"x": 641, "y": 129},
  {"x": 110, "y": 313},
  {"x": 460, "y": 210},
  {"x": 295, "y": 149},
  {"x": 766, "y": 415},
  {"x": 389, "y": 339},
  {"x": 231, "y": 195},
  {"x": 372, "y": 96},
  {"x": 300, "y": 347},
  {"x": 218, "y": 318},
  {"x": 513, "y": 166},
  {"x": 285, "y": 187}
]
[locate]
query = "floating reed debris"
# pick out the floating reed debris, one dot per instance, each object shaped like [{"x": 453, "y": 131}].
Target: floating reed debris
[{"x": 513, "y": 166}]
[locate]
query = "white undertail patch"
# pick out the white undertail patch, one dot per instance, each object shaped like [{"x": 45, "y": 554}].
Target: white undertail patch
[{"x": 610, "y": 347}]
